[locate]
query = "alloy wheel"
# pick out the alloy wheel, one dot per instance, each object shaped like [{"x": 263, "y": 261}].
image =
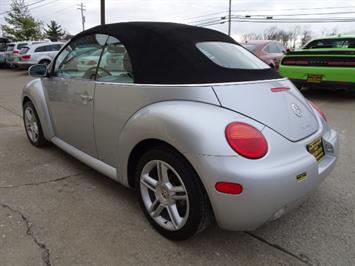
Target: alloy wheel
[
  {"x": 31, "y": 124},
  {"x": 164, "y": 195}
]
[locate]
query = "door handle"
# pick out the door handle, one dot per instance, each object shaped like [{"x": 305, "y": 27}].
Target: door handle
[{"x": 86, "y": 98}]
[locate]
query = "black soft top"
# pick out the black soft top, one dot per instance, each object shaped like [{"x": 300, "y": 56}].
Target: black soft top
[{"x": 166, "y": 53}]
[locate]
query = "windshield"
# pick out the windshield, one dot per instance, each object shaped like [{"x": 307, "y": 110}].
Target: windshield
[{"x": 230, "y": 55}]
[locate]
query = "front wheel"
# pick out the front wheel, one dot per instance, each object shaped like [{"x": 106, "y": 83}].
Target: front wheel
[
  {"x": 171, "y": 195},
  {"x": 33, "y": 126}
]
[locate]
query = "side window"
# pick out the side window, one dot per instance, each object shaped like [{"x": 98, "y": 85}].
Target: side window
[
  {"x": 268, "y": 48},
  {"x": 41, "y": 49},
  {"x": 272, "y": 48},
  {"x": 56, "y": 47},
  {"x": 80, "y": 58},
  {"x": 115, "y": 64}
]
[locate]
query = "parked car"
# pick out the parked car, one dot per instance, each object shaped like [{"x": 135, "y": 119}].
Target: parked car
[
  {"x": 13, "y": 50},
  {"x": 42, "y": 53},
  {"x": 202, "y": 129},
  {"x": 3, "y": 46},
  {"x": 270, "y": 52},
  {"x": 322, "y": 63}
]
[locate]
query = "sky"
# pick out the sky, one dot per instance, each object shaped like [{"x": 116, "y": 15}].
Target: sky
[{"x": 65, "y": 12}]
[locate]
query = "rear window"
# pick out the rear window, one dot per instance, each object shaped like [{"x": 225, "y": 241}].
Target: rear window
[
  {"x": 10, "y": 47},
  {"x": 230, "y": 55},
  {"x": 21, "y": 45},
  {"x": 24, "y": 50},
  {"x": 331, "y": 43}
]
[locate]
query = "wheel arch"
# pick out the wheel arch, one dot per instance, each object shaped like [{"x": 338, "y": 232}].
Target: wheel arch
[
  {"x": 34, "y": 93},
  {"x": 148, "y": 144},
  {"x": 138, "y": 150}
]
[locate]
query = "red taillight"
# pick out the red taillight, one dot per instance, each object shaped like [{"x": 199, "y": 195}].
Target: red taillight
[
  {"x": 16, "y": 51},
  {"x": 229, "y": 188},
  {"x": 322, "y": 114},
  {"x": 246, "y": 140},
  {"x": 25, "y": 57}
]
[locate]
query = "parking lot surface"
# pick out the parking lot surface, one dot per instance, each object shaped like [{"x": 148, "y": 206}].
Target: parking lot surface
[{"x": 56, "y": 211}]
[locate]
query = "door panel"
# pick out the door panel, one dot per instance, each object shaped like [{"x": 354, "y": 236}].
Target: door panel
[
  {"x": 71, "y": 111},
  {"x": 70, "y": 92}
]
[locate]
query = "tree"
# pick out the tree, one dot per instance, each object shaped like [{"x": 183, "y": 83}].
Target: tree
[
  {"x": 21, "y": 25},
  {"x": 295, "y": 32},
  {"x": 330, "y": 32},
  {"x": 306, "y": 35},
  {"x": 251, "y": 36},
  {"x": 54, "y": 31}
]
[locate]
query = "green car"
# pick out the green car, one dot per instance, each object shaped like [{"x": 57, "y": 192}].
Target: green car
[{"x": 327, "y": 62}]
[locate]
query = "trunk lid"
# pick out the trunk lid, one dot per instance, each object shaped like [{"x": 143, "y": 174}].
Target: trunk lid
[{"x": 286, "y": 112}]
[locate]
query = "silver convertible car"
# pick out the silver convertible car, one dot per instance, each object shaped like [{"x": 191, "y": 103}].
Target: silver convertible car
[{"x": 201, "y": 128}]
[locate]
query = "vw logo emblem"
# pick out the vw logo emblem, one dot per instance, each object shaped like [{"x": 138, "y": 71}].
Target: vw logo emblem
[{"x": 297, "y": 110}]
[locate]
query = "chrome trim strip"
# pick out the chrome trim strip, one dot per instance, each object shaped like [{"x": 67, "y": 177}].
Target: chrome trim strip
[
  {"x": 87, "y": 159},
  {"x": 193, "y": 85}
]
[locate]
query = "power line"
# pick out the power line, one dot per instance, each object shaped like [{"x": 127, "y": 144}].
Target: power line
[
  {"x": 269, "y": 10},
  {"x": 296, "y": 9},
  {"x": 313, "y": 20},
  {"x": 264, "y": 20},
  {"x": 305, "y": 14},
  {"x": 31, "y": 4},
  {"x": 206, "y": 15},
  {"x": 46, "y": 4}
]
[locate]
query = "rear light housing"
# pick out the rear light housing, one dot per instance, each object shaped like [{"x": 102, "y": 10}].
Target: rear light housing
[
  {"x": 16, "y": 51},
  {"x": 229, "y": 188},
  {"x": 246, "y": 140},
  {"x": 25, "y": 57},
  {"x": 322, "y": 114}
]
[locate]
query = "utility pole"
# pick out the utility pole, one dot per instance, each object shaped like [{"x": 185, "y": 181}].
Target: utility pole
[
  {"x": 230, "y": 17},
  {"x": 102, "y": 12},
  {"x": 82, "y": 9}
]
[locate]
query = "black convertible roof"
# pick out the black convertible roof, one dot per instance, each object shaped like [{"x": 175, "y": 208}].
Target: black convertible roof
[{"x": 165, "y": 53}]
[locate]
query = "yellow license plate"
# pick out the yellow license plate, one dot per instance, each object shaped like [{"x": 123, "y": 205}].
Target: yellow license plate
[
  {"x": 314, "y": 78},
  {"x": 316, "y": 149}
]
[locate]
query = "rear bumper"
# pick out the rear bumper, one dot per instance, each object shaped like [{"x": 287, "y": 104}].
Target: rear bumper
[
  {"x": 324, "y": 84},
  {"x": 22, "y": 65},
  {"x": 329, "y": 74},
  {"x": 271, "y": 188}
]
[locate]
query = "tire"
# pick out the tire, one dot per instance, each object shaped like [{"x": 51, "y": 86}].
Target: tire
[
  {"x": 178, "y": 193},
  {"x": 33, "y": 126},
  {"x": 44, "y": 62}
]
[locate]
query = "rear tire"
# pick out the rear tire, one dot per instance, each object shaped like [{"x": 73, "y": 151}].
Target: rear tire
[
  {"x": 33, "y": 126},
  {"x": 174, "y": 201},
  {"x": 44, "y": 62}
]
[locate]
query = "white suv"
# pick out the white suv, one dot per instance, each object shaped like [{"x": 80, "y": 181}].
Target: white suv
[
  {"x": 42, "y": 53},
  {"x": 13, "y": 50}
]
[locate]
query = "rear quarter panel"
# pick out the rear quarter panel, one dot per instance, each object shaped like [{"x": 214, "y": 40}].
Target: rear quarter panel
[{"x": 190, "y": 127}]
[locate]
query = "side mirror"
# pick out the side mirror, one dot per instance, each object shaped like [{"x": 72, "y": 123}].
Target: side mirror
[{"x": 38, "y": 71}]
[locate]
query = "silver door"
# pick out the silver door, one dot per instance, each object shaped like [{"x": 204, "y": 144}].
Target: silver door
[{"x": 70, "y": 93}]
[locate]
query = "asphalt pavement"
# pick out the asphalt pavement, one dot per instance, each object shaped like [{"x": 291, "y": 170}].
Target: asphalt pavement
[{"x": 54, "y": 210}]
